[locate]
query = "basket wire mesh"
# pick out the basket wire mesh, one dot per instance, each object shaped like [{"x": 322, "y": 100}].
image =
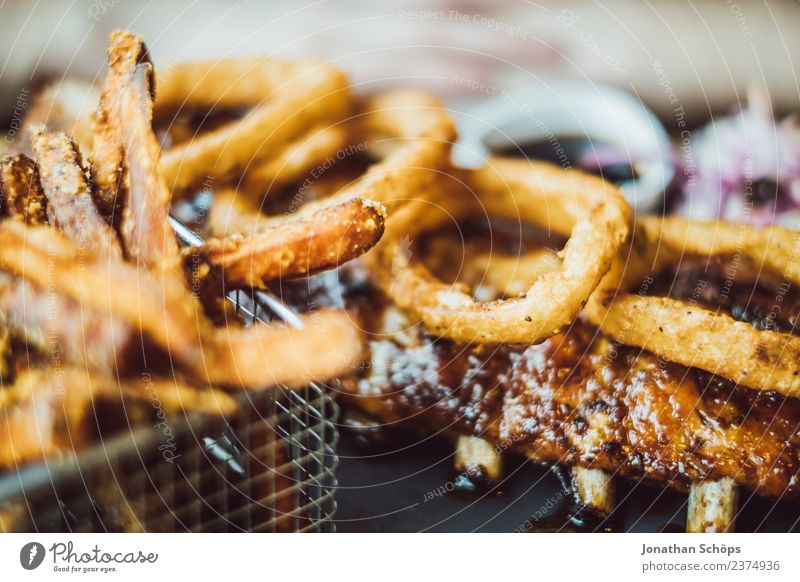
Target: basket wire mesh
[{"x": 271, "y": 468}]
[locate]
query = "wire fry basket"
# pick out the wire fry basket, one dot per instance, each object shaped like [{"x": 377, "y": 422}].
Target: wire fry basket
[{"x": 271, "y": 468}]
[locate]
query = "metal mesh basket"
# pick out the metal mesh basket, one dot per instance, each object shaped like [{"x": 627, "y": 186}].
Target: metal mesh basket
[{"x": 269, "y": 469}]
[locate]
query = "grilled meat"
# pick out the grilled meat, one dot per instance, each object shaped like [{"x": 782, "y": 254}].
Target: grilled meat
[{"x": 578, "y": 399}]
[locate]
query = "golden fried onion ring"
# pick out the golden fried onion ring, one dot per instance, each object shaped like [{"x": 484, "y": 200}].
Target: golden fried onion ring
[
  {"x": 689, "y": 334},
  {"x": 309, "y": 95},
  {"x": 590, "y": 211},
  {"x": 414, "y": 135}
]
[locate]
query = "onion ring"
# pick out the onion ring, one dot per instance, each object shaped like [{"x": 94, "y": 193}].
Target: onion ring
[
  {"x": 352, "y": 220},
  {"x": 296, "y": 160},
  {"x": 228, "y": 84},
  {"x": 689, "y": 334},
  {"x": 590, "y": 211},
  {"x": 310, "y": 95}
]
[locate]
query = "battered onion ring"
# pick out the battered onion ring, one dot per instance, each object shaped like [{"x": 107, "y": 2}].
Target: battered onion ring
[
  {"x": 413, "y": 134},
  {"x": 309, "y": 95},
  {"x": 590, "y": 211},
  {"x": 318, "y": 145},
  {"x": 227, "y": 84},
  {"x": 689, "y": 334}
]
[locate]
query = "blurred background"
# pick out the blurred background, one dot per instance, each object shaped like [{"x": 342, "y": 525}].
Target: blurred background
[{"x": 699, "y": 55}]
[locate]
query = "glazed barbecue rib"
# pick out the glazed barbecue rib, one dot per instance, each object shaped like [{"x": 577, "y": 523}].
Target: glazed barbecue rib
[{"x": 576, "y": 399}]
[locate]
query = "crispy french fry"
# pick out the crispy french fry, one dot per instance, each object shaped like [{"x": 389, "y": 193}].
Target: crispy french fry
[
  {"x": 145, "y": 231},
  {"x": 114, "y": 310},
  {"x": 125, "y": 52},
  {"x": 298, "y": 247},
  {"x": 47, "y": 412},
  {"x": 21, "y": 195},
  {"x": 70, "y": 204}
]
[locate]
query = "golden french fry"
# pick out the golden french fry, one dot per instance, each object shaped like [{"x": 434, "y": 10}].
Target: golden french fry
[
  {"x": 125, "y": 52},
  {"x": 299, "y": 247},
  {"x": 70, "y": 204}
]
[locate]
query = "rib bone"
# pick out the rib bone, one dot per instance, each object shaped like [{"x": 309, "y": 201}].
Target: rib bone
[
  {"x": 477, "y": 458},
  {"x": 593, "y": 488},
  {"x": 712, "y": 506}
]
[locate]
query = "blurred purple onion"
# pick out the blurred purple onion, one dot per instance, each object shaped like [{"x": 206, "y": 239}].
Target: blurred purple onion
[{"x": 743, "y": 168}]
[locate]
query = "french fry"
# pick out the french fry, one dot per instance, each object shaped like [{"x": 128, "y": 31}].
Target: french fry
[
  {"x": 144, "y": 228},
  {"x": 300, "y": 246},
  {"x": 125, "y": 52},
  {"x": 66, "y": 186},
  {"x": 33, "y": 431},
  {"x": 21, "y": 195},
  {"x": 113, "y": 310}
]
